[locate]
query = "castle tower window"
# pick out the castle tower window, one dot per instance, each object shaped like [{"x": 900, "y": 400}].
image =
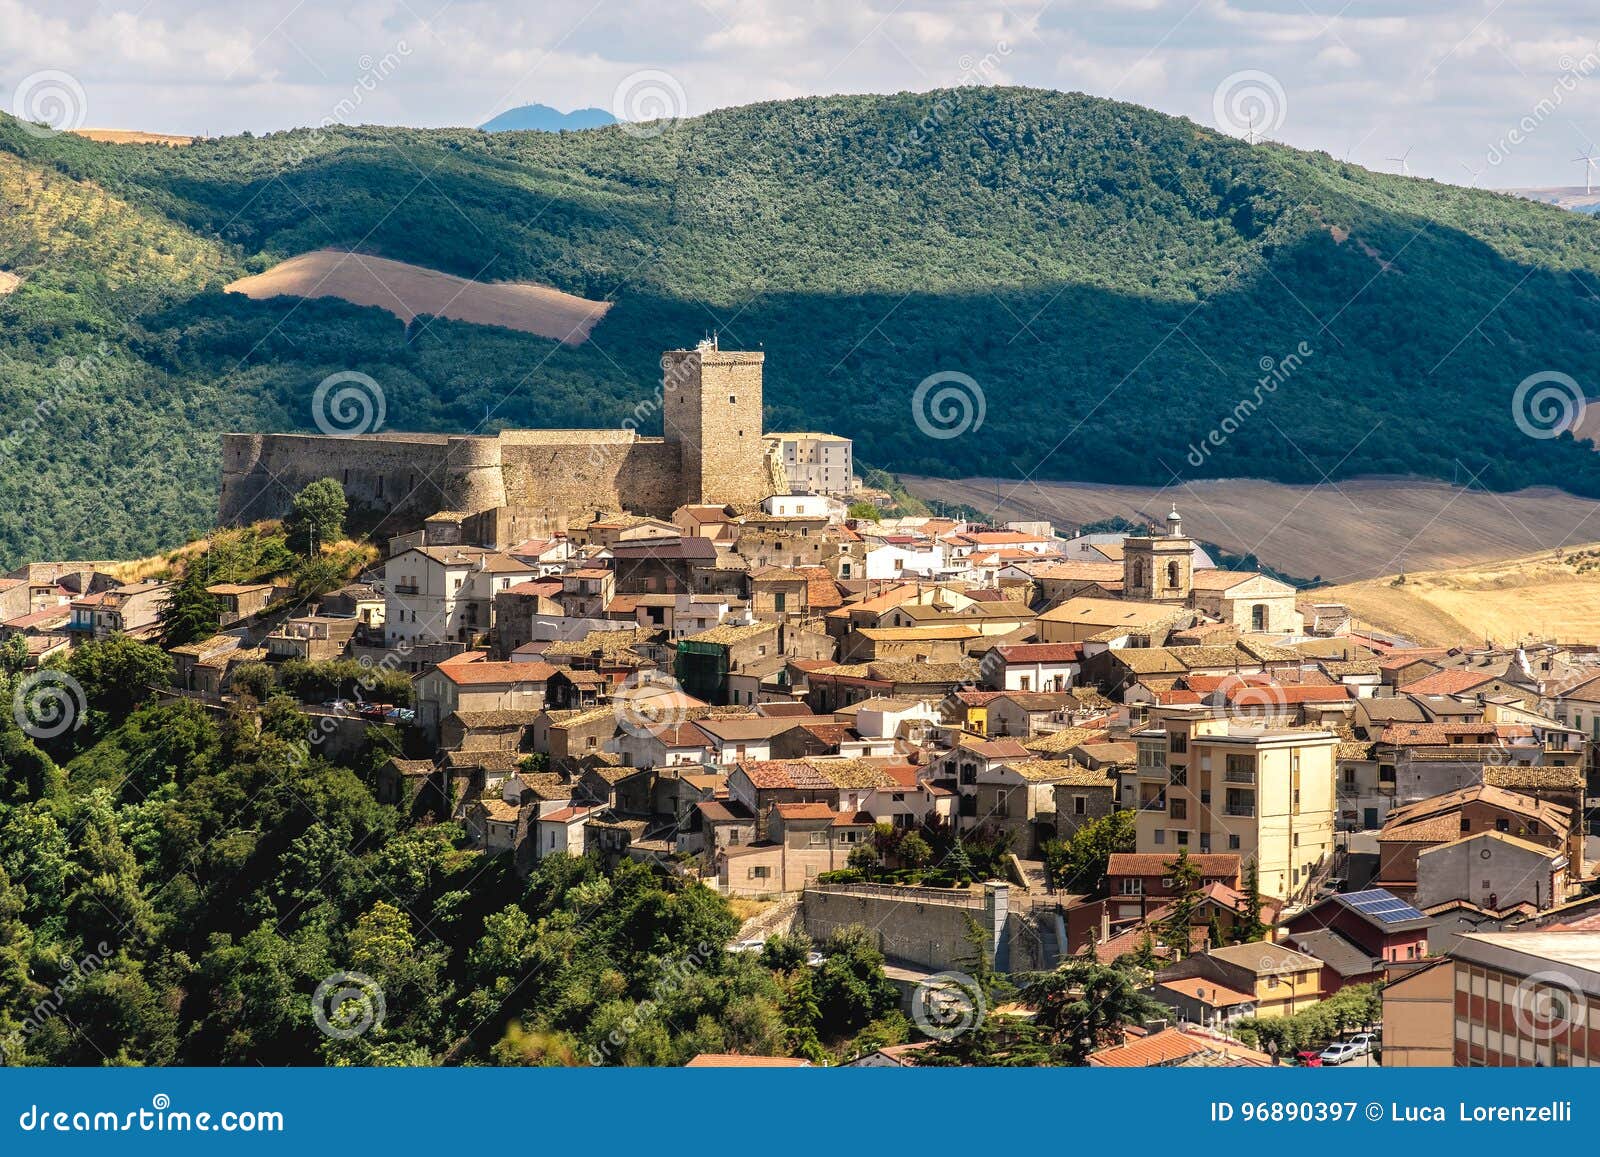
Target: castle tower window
[{"x": 1172, "y": 574}]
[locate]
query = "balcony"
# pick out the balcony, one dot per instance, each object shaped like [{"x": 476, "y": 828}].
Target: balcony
[
  {"x": 1238, "y": 777},
  {"x": 404, "y": 588},
  {"x": 1240, "y": 811}
]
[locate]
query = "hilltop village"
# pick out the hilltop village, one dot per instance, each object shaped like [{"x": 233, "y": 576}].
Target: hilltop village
[{"x": 715, "y": 653}]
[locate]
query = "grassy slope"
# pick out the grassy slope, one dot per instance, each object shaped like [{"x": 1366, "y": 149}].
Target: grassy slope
[{"x": 1102, "y": 226}]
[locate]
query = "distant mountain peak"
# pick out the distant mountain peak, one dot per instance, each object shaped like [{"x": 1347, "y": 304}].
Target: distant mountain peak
[{"x": 542, "y": 118}]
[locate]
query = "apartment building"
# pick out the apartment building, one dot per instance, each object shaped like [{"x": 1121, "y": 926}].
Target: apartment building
[{"x": 1214, "y": 784}]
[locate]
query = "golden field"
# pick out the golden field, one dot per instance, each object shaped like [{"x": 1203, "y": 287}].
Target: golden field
[
  {"x": 1549, "y": 595},
  {"x": 408, "y": 290}
]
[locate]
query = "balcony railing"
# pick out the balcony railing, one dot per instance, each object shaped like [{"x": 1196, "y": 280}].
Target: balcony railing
[
  {"x": 1238, "y": 777},
  {"x": 1239, "y": 810},
  {"x": 404, "y": 588}
]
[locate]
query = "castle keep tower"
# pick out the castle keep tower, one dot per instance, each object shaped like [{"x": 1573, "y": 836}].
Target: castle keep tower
[
  {"x": 1159, "y": 568},
  {"x": 711, "y": 410}
]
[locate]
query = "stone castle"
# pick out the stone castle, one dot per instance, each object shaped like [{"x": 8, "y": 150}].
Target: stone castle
[{"x": 521, "y": 483}]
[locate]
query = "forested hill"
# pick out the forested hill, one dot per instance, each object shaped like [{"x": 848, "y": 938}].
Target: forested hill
[{"x": 1113, "y": 279}]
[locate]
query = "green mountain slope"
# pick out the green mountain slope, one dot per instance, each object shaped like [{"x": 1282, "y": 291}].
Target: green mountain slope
[{"x": 1112, "y": 278}]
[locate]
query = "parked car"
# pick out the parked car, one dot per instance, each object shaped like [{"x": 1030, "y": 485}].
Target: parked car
[
  {"x": 1309, "y": 1058},
  {"x": 1339, "y": 1052},
  {"x": 1364, "y": 1042}
]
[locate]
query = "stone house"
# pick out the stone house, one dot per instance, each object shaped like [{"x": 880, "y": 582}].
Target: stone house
[
  {"x": 240, "y": 600},
  {"x": 1082, "y": 795},
  {"x": 571, "y": 735},
  {"x": 804, "y": 840},
  {"x": 312, "y": 638},
  {"x": 1280, "y": 980},
  {"x": 1413, "y": 829},
  {"x": 471, "y": 684}
]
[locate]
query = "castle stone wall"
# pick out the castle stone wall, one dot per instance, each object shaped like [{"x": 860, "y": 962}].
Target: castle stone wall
[{"x": 535, "y": 481}]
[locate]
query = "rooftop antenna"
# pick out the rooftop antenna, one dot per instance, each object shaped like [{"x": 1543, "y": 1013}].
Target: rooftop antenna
[
  {"x": 1405, "y": 169},
  {"x": 1589, "y": 162},
  {"x": 1252, "y": 133}
]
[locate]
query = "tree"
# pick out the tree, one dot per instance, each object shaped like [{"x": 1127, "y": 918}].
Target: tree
[
  {"x": 316, "y": 517},
  {"x": 914, "y": 851},
  {"x": 850, "y": 987},
  {"x": 864, "y": 512},
  {"x": 1090, "y": 850},
  {"x": 1186, "y": 878},
  {"x": 189, "y": 612},
  {"x": 1083, "y": 1006},
  {"x": 119, "y": 672},
  {"x": 1251, "y": 928}
]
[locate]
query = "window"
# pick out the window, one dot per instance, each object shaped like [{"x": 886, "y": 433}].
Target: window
[
  {"x": 1133, "y": 887},
  {"x": 1183, "y": 837},
  {"x": 1026, "y": 683},
  {"x": 1258, "y": 617},
  {"x": 1233, "y": 843},
  {"x": 1180, "y": 742},
  {"x": 780, "y": 601},
  {"x": 817, "y": 839},
  {"x": 1180, "y": 776},
  {"x": 760, "y": 872},
  {"x": 1500, "y": 825},
  {"x": 1179, "y": 809},
  {"x": 1080, "y": 805},
  {"x": 1161, "y": 836}
]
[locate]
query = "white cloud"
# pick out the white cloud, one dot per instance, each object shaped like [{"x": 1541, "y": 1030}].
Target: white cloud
[{"x": 1373, "y": 75}]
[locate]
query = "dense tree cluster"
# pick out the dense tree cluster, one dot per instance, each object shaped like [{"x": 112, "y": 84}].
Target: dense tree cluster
[{"x": 1049, "y": 245}]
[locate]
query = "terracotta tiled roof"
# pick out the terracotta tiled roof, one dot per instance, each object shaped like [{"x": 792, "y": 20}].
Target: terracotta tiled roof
[
  {"x": 1206, "y": 991},
  {"x": 467, "y": 671},
  {"x": 1213, "y": 864},
  {"x": 1449, "y": 682},
  {"x": 1178, "y": 1046}
]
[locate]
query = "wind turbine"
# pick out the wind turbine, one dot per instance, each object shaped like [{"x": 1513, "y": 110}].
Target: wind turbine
[
  {"x": 1405, "y": 169},
  {"x": 1590, "y": 161}
]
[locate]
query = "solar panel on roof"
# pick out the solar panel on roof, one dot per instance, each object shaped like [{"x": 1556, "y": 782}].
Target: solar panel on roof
[{"x": 1382, "y": 905}]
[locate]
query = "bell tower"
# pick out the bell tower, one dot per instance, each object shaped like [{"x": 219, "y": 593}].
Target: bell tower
[{"x": 1159, "y": 568}]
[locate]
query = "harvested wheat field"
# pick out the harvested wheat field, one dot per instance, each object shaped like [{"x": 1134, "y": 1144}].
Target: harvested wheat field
[
  {"x": 408, "y": 290},
  {"x": 1359, "y": 529},
  {"x": 132, "y": 137},
  {"x": 1551, "y": 595}
]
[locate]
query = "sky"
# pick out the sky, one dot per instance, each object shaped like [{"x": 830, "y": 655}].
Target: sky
[{"x": 1497, "y": 93}]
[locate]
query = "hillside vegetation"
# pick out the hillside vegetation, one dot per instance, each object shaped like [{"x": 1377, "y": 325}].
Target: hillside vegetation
[{"x": 1111, "y": 277}]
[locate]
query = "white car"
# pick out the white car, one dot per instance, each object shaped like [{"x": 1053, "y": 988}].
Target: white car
[
  {"x": 1364, "y": 1042},
  {"x": 1338, "y": 1052}
]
